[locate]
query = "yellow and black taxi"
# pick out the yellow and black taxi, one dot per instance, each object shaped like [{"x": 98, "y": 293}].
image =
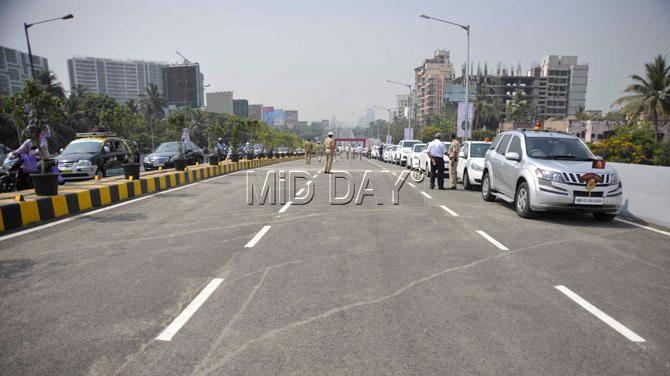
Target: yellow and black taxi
[{"x": 96, "y": 153}]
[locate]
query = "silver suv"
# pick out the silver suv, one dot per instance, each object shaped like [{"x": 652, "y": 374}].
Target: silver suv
[{"x": 542, "y": 171}]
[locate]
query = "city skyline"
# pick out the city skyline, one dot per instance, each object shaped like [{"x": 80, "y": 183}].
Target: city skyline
[{"x": 322, "y": 71}]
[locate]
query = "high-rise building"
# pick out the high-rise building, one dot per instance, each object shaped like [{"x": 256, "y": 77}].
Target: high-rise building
[
  {"x": 256, "y": 112},
  {"x": 402, "y": 105},
  {"x": 269, "y": 115},
  {"x": 291, "y": 118},
  {"x": 220, "y": 102},
  {"x": 184, "y": 85},
  {"x": 120, "y": 79},
  {"x": 279, "y": 118},
  {"x": 555, "y": 89},
  {"x": 15, "y": 68},
  {"x": 241, "y": 108},
  {"x": 430, "y": 79}
]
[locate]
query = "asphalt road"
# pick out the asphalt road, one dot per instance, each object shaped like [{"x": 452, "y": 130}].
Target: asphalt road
[{"x": 191, "y": 281}]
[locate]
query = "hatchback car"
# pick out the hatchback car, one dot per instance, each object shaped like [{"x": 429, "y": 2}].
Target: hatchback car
[
  {"x": 414, "y": 156},
  {"x": 543, "y": 171}
]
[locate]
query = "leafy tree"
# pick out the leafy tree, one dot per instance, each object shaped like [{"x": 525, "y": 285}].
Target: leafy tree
[
  {"x": 662, "y": 154},
  {"x": 650, "y": 94},
  {"x": 47, "y": 81},
  {"x": 518, "y": 108},
  {"x": 152, "y": 105}
]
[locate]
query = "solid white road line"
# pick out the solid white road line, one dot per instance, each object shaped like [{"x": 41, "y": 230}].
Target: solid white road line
[
  {"x": 493, "y": 241},
  {"x": 385, "y": 171},
  {"x": 411, "y": 185},
  {"x": 394, "y": 174},
  {"x": 96, "y": 211},
  {"x": 257, "y": 237},
  {"x": 185, "y": 315},
  {"x": 600, "y": 314},
  {"x": 644, "y": 227},
  {"x": 449, "y": 211},
  {"x": 425, "y": 194},
  {"x": 286, "y": 205},
  {"x": 300, "y": 191}
]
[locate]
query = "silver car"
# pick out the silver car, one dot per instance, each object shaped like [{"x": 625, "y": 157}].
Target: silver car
[{"x": 543, "y": 171}]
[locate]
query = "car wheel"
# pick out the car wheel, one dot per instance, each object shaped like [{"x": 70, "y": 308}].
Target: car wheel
[
  {"x": 522, "y": 201},
  {"x": 466, "y": 180},
  {"x": 604, "y": 217},
  {"x": 486, "y": 189}
]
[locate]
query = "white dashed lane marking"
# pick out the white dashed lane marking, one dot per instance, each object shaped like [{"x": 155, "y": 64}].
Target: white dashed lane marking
[
  {"x": 257, "y": 237},
  {"x": 449, "y": 211},
  {"x": 600, "y": 314},
  {"x": 425, "y": 194},
  {"x": 493, "y": 241},
  {"x": 283, "y": 208}
]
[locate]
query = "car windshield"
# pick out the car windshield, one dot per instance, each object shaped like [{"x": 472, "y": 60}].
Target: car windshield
[
  {"x": 479, "y": 150},
  {"x": 167, "y": 147},
  {"x": 79, "y": 147},
  {"x": 418, "y": 148},
  {"x": 557, "y": 148},
  {"x": 409, "y": 144},
  {"x": 394, "y": 148}
]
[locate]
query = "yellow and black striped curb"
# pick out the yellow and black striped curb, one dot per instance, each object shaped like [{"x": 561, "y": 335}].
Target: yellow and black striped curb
[{"x": 46, "y": 208}]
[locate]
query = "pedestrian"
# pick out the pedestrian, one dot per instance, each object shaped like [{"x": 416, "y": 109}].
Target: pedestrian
[
  {"x": 329, "y": 146},
  {"x": 319, "y": 150},
  {"x": 381, "y": 152},
  {"x": 453, "y": 151},
  {"x": 347, "y": 150},
  {"x": 308, "y": 152},
  {"x": 436, "y": 151}
]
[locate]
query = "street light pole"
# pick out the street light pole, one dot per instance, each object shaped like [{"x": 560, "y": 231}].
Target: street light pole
[
  {"x": 388, "y": 124},
  {"x": 26, "y": 26},
  {"x": 409, "y": 101},
  {"x": 467, "y": 68}
]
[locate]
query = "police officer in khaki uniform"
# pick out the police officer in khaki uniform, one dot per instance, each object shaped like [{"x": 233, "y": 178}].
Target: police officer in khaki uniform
[
  {"x": 329, "y": 146},
  {"x": 319, "y": 150},
  {"x": 308, "y": 152},
  {"x": 453, "y": 151}
]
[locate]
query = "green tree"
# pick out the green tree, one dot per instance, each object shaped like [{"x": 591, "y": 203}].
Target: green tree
[
  {"x": 47, "y": 81},
  {"x": 650, "y": 94},
  {"x": 152, "y": 105},
  {"x": 518, "y": 108}
]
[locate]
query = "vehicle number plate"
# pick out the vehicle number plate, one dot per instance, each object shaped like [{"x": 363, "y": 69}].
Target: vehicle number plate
[
  {"x": 589, "y": 200},
  {"x": 65, "y": 171},
  {"x": 159, "y": 164}
]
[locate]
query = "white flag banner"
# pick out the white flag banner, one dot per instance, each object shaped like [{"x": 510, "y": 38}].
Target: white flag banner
[
  {"x": 184, "y": 135},
  {"x": 389, "y": 139},
  {"x": 460, "y": 121},
  {"x": 409, "y": 133}
]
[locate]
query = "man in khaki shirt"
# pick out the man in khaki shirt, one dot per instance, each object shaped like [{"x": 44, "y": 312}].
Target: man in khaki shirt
[
  {"x": 319, "y": 150},
  {"x": 329, "y": 146},
  {"x": 453, "y": 151},
  {"x": 308, "y": 152}
]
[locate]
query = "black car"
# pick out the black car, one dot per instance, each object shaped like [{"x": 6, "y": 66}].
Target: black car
[
  {"x": 167, "y": 152},
  {"x": 93, "y": 154}
]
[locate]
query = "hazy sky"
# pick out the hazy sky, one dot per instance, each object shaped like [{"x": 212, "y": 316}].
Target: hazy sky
[{"x": 327, "y": 58}]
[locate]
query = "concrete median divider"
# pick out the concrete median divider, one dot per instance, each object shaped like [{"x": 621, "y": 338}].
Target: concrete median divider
[{"x": 36, "y": 209}]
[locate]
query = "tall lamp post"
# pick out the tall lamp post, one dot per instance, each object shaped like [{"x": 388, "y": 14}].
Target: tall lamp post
[
  {"x": 26, "y": 26},
  {"x": 388, "y": 125},
  {"x": 467, "y": 67},
  {"x": 409, "y": 101}
]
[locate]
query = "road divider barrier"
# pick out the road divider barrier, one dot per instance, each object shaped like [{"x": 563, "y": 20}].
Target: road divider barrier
[{"x": 45, "y": 208}]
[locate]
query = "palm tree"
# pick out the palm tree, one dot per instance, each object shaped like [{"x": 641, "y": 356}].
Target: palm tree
[
  {"x": 152, "y": 105},
  {"x": 651, "y": 94},
  {"x": 47, "y": 81},
  {"x": 518, "y": 108}
]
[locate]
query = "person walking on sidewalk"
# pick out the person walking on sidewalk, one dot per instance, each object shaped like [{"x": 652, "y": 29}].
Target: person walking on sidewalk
[
  {"x": 452, "y": 153},
  {"x": 436, "y": 151},
  {"x": 329, "y": 146},
  {"x": 319, "y": 150}
]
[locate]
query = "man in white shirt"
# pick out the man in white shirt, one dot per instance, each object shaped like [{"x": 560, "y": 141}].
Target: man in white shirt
[{"x": 436, "y": 151}]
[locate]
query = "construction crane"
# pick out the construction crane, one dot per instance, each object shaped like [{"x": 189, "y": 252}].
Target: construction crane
[{"x": 186, "y": 61}]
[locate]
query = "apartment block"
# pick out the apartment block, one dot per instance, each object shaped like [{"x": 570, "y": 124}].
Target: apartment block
[
  {"x": 15, "y": 68},
  {"x": 220, "y": 102},
  {"x": 120, "y": 79},
  {"x": 184, "y": 85},
  {"x": 256, "y": 112},
  {"x": 241, "y": 108},
  {"x": 430, "y": 79}
]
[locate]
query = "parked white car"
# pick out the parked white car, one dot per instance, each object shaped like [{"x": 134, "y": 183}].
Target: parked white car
[
  {"x": 404, "y": 148},
  {"x": 414, "y": 155},
  {"x": 388, "y": 153},
  {"x": 471, "y": 162},
  {"x": 424, "y": 161}
]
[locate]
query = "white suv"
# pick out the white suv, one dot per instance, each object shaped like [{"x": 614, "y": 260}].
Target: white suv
[
  {"x": 403, "y": 150},
  {"x": 541, "y": 171}
]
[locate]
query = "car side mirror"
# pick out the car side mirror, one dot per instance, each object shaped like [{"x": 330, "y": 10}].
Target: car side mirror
[
  {"x": 512, "y": 156},
  {"x": 61, "y": 150}
]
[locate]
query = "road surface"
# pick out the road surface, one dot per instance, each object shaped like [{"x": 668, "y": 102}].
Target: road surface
[{"x": 196, "y": 281}]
